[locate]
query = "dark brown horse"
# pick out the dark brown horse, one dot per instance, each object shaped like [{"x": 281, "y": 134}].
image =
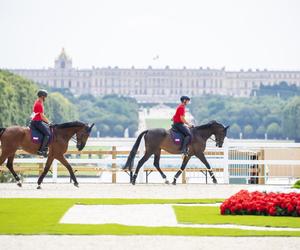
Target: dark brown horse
[
  {"x": 157, "y": 139},
  {"x": 16, "y": 137}
]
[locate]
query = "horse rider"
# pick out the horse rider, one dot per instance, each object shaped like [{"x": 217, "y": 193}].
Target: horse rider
[
  {"x": 179, "y": 123},
  {"x": 40, "y": 122}
]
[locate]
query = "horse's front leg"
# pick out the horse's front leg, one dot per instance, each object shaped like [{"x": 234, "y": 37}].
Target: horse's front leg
[
  {"x": 202, "y": 158},
  {"x": 46, "y": 169},
  {"x": 182, "y": 168},
  {"x": 63, "y": 161}
]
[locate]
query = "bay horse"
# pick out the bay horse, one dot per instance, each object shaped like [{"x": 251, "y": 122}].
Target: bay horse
[
  {"x": 17, "y": 137},
  {"x": 157, "y": 139}
]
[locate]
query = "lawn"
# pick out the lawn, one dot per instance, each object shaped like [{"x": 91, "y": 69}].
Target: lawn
[
  {"x": 41, "y": 216},
  {"x": 210, "y": 215},
  {"x": 158, "y": 123}
]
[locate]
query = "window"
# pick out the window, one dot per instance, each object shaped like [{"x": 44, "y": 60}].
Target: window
[{"x": 62, "y": 64}]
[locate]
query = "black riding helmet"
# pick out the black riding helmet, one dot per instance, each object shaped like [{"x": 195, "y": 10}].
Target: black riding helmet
[
  {"x": 183, "y": 98},
  {"x": 42, "y": 92}
]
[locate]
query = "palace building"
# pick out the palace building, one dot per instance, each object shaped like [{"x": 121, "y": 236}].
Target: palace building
[{"x": 152, "y": 84}]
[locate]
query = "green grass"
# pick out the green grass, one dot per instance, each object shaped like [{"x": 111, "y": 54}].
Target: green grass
[
  {"x": 158, "y": 123},
  {"x": 211, "y": 215},
  {"x": 297, "y": 184},
  {"x": 41, "y": 216}
]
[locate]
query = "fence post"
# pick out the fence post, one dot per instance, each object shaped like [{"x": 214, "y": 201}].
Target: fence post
[
  {"x": 114, "y": 165},
  {"x": 54, "y": 171},
  {"x": 183, "y": 174},
  {"x": 41, "y": 168},
  {"x": 226, "y": 162},
  {"x": 262, "y": 170}
]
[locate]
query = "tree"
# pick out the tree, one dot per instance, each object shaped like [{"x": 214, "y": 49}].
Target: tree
[
  {"x": 248, "y": 130},
  {"x": 118, "y": 130},
  {"x": 258, "y": 112},
  {"x": 273, "y": 131},
  {"x": 17, "y": 96},
  {"x": 103, "y": 128},
  {"x": 110, "y": 111},
  {"x": 260, "y": 132},
  {"x": 60, "y": 109},
  {"x": 291, "y": 119},
  {"x": 234, "y": 131}
]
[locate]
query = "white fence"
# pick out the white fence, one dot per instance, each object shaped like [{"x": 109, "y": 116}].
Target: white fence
[{"x": 244, "y": 162}]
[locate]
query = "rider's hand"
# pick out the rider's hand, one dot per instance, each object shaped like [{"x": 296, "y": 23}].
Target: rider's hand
[{"x": 190, "y": 125}]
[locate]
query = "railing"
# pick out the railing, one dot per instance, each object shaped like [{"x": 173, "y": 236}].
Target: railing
[{"x": 234, "y": 163}]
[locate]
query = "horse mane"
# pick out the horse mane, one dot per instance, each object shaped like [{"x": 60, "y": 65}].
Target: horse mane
[
  {"x": 70, "y": 124},
  {"x": 207, "y": 125}
]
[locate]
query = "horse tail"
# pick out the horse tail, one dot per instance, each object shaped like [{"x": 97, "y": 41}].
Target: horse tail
[{"x": 130, "y": 160}]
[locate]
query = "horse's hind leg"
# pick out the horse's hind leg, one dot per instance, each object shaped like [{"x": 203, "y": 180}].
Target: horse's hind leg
[
  {"x": 2, "y": 158},
  {"x": 156, "y": 165},
  {"x": 10, "y": 167},
  {"x": 140, "y": 164}
]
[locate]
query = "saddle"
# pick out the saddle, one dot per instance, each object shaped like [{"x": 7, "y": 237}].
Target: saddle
[
  {"x": 176, "y": 136},
  {"x": 37, "y": 136}
]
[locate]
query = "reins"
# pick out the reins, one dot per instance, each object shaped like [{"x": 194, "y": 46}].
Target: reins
[{"x": 212, "y": 139}]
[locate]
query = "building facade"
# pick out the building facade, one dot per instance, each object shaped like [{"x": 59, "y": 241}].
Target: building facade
[{"x": 155, "y": 85}]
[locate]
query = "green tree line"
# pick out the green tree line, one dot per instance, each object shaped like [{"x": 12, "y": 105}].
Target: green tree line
[
  {"x": 278, "y": 115},
  {"x": 17, "y": 96},
  {"x": 112, "y": 114},
  {"x": 252, "y": 117}
]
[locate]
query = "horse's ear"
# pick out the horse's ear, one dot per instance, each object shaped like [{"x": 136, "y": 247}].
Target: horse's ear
[
  {"x": 227, "y": 127},
  {"x": 90, "y": 128}
]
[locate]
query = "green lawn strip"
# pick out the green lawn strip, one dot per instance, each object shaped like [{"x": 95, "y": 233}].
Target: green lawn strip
[
  {"x": 211, "y": 215},
  {"x": 41, "y": 216},
  {"x": 116, "y": 229}
]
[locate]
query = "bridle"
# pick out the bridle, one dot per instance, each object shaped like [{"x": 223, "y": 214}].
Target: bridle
[
  {"x": 212, "y": 139},
  {"x": 74, "y": 137}
]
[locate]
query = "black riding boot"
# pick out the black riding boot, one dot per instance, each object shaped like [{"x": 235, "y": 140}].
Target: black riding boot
[
  {"x": 184, "y": 148},
  {"x": 44, "y": 150}
]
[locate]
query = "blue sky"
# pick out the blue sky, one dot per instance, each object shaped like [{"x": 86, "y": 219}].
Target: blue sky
[{"x": 215, "y": 33}]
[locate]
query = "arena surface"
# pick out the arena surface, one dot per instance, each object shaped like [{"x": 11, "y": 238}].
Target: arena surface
[
  {"x": 159, "y": 191},
  {"x": 136, "y": 242}
]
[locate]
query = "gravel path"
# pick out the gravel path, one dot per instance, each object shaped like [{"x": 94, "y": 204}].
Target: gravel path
[
  {"x": 162, "y": 191},
  {"x": 146, "y": 243}
]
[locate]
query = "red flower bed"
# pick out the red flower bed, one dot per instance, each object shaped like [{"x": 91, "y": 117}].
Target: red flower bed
[{"x": 260, "y": 203}]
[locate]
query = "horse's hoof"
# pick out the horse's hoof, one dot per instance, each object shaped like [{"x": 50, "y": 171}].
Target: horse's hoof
[
  {"x": 39, "y": 187},
  {"x": 167, "y": 182},
  {"x": 215, "y": 181},
  {"x": 76, "y": 185},
  {"x": 174, "y": 182},
  {"x": 19, "y": 184}
]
